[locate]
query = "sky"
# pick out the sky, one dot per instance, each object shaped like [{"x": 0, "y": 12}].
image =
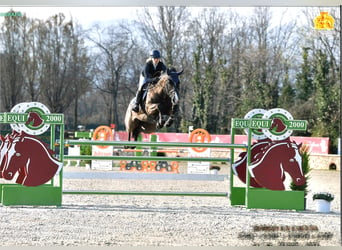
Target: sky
[
  {"x": 90, "y": 15},
  {"x": 87, "y": 16}
]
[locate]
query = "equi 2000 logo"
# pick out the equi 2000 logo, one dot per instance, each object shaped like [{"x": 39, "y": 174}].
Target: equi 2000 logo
[
  {"x": 23, "y": 155},
  {"x": 272, "y": 153}
]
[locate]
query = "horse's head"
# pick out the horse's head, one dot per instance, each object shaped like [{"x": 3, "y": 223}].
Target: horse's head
[
  {"x": 14, "y": 159},
  {"x": 174, "y": 75},
  {"x": 29, "y": 157},
  {"x": 293, "y": 165},
  {"x": 34, "y": 119},
  {"x": 276, "y": 158},
  {"x": 277, "y": 125},
  {"x": 174, "y": 83},
  {"x": 6, "y": 144}
]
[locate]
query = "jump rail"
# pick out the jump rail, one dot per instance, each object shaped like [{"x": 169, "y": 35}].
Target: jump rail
[
  {"x": 151, "y": 144},
  {"x": 151, "y": 158}
]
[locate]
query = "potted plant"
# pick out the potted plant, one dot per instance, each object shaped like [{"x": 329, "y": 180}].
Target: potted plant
[
  {"x": 214, "y": 169},
  {"x": 323, "y": 200},
  {"x": 304, "y": 152}
]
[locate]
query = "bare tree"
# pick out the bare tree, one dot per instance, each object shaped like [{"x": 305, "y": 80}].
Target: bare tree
[
  {"x": 115, "y": 45},
  {"x": 13, "y": 45},
  {"x": 164, "y": 28},
  {"x": 59, "y": 62},
  {"x": 208, "y": 29}
]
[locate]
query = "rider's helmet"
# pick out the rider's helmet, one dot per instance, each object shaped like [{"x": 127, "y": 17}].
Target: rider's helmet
[{"x": 155, "y": 53}]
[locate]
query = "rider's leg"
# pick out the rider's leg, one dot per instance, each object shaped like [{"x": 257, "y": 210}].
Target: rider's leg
[{"x": 138, "y": 95}]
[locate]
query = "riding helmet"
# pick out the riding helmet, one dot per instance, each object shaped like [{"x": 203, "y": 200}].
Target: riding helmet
[{"x": 155, "y": 54}]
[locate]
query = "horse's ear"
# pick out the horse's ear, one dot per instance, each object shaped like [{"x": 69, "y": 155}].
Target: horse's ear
[{"x": 180, "y": 72}]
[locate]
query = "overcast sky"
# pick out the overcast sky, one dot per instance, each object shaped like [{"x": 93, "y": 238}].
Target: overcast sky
[{"x": 87, "y": 16}]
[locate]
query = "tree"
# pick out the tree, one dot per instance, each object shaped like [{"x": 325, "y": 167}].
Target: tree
[
  {"x": 163, "y": 28},
  {"x": 304, "y": 83},
  {"x": 327, "y": 100},
  {"x": 115, "y": 46},
  {"x": 60, "y": 62},
  {"x": 210, "y": 24},
  {"x": 287, "y": 95},
  {"x": 79, "y": 68},
  {"x": 13, "y": 60}
]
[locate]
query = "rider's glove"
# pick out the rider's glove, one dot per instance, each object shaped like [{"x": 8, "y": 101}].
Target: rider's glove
[{"x": 155, "y": 79}]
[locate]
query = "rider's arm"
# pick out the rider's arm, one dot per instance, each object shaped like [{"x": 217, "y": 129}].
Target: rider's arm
[{"x": 147, "y": 72}]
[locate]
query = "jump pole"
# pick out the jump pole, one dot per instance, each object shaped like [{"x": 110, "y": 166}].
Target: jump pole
[{"x": 150, "y": 158}]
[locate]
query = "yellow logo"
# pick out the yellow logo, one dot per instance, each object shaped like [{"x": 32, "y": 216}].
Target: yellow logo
[{"x": 324, "y": 21}]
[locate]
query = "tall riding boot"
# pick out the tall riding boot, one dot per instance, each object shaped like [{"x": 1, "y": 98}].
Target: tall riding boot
[{"x": 138, "y": 97}]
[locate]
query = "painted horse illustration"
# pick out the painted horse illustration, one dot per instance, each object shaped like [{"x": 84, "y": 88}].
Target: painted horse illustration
[
  {"x": 275, "y": 159},
  {"x": 34, "y": 119},
  {"x": 158, "y": 110},
  {"x": 6, "y": 142},
  {"x": 240, "y": 165},
  {"x": 29, "y": 157}
]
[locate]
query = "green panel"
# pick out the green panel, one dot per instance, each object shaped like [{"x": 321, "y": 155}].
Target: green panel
[
  {"x": 265, "y": 198},
  {"x": 1, "y": 185},
  {"x": 153, "y": 138},
  {"x": 80, "y": 134},
  {"x": 237, "y": 196},
  {"x": 41, "y": 195}
]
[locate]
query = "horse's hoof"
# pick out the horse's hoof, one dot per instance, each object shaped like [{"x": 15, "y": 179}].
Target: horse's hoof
[{"x": 160, "y": 125}]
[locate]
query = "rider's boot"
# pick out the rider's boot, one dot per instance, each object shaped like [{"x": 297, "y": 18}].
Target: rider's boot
[{"x": 138, "y": 97}]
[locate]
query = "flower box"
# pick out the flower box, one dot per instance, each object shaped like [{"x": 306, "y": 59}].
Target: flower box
[
  {"x": 323, "y": 196},
  {"x": 322, "y": 201}
]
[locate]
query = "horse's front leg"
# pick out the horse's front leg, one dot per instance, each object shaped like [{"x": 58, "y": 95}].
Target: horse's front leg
[
  {"x": 171, "y": 118},
  {"x": 169, "y": 121},
  {"x": 160, "y": 122},
  {"x": 154, "y": 111}
]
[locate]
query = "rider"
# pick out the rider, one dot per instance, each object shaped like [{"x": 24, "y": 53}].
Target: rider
[{"x": 153, "y": 65}]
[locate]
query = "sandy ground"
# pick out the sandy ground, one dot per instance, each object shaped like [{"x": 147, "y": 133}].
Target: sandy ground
[{"x": 111, "y": 220}]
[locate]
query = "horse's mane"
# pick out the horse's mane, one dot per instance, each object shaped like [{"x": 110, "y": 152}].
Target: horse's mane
[{"x": 164, "y": 77}]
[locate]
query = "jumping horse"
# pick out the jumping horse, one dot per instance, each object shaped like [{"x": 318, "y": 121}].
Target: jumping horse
[{"x": 158, "y": 109}]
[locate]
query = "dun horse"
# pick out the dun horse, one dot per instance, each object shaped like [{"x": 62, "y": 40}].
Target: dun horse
[{"x": 158, "y": 110}]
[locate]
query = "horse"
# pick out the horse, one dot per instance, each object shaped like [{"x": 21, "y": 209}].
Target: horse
[
  {"x": 158, "y": 110},
  {"x": 275, "y": 159},
  {"x": 29, "y": 157}
]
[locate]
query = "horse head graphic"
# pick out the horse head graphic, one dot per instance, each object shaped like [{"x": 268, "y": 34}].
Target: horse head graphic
[
  {"x": 28, "y": 158},
  {"x": 34, "y": 119},
  {"x": 277, "y": 158},
  {"x": 277, "y": 125}
]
